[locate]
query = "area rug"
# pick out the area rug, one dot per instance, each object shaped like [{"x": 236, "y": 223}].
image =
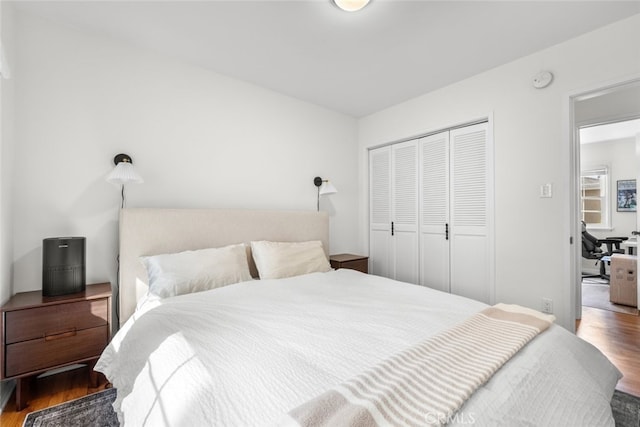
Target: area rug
[
  {"x": 94, "y": 410},
  {"x": 626, "y": 409},
  {"x": 597, "y": 295}
]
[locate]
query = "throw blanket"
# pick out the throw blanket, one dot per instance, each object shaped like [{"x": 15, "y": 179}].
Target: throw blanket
[{"x": 428, "y": 383}]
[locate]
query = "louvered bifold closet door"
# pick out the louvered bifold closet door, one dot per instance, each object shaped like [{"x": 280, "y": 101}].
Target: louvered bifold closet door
[
  {"x": 404, "y": 211},
  {"x": 434, "y": 212},
  {"x": 469, "y": 228},
  {"x": 380, "y": 212}
]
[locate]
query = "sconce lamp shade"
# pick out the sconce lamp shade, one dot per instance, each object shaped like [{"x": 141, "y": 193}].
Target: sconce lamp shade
[
  {"x": 124, "y": 172},
  {"x": 327, "y": 188},
  {"x": 324, "y": 187}
]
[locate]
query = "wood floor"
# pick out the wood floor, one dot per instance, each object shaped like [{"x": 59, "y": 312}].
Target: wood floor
[
  {"x": 49, "y": 391},
  {"x": 617, "y": 335}
]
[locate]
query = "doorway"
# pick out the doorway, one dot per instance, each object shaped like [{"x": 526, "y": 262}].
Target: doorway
[
  {"x": 594, "y": 116},
  {"x": 608, "y": 208}
]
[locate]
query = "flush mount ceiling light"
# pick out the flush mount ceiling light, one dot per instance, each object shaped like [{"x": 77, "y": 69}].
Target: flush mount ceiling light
[{"x": 350, "y": 5}]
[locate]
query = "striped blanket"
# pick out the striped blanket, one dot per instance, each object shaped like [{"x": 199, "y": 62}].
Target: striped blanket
[{"x": 426, "y": 384}]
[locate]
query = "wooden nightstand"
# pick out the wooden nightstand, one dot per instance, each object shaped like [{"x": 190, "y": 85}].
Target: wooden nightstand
[
  {"x": 42, "y": 333},
  {"x": 353, "y": 262}
]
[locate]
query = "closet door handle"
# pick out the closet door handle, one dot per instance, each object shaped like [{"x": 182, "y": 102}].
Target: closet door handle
[
  {"x": 446, "y": 232},
  {"x": 392, "y": 229}
]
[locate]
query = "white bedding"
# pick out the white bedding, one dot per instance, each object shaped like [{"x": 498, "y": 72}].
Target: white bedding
[{"x": 246, "y": 354}]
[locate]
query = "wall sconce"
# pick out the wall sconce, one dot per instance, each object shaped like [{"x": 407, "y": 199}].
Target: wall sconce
[
  {"x": 123, "y": 173},
  {"x": 324, "y": 187}
]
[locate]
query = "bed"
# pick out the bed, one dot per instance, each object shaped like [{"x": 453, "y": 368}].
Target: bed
[{"x": 254, "y": 352}]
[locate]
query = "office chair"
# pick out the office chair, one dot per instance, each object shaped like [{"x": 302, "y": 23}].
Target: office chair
[{"x": 591, "y": 250}]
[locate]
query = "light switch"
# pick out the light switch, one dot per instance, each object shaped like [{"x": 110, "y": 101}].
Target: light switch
[{"x": 546, "y": 190}]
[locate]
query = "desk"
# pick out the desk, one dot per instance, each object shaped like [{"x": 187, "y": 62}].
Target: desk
[{"x": 632, "y": 245}]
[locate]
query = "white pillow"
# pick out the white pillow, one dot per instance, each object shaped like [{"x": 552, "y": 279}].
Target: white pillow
[
  {"x": 195, "y": 271},
  {"x": 276, "y": 260}
]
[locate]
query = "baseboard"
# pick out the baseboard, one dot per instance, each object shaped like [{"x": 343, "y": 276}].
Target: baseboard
[{"x": 6, "y": 389}]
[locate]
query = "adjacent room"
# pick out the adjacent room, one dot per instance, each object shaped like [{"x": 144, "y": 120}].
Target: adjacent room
[
  {"x": 260, "y": 212},
  {"x": 609, "y": 163}
]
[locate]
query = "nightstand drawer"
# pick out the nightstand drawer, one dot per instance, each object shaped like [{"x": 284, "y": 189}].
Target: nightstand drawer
[
  {"x": 39, "y": 322},
  {"x": 44, "y": 353}
]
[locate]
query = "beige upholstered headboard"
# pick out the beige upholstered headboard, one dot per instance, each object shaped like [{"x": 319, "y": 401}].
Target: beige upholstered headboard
[{"x": 160, "y": 231}]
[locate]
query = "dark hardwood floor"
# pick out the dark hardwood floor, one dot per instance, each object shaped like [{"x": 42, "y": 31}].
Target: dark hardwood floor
[
  {"x": 617, "y": 335},
  {"x": 50, "y": 391}
]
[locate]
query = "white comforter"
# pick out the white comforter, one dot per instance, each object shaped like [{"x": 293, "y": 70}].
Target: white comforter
[{"x": 246, "y": 354}]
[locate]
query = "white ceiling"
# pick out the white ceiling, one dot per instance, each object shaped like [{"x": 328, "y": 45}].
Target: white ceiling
[{"x": 354, "y": 63}]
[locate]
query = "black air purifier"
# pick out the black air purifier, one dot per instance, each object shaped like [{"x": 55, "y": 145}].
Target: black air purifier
[{"x": 63, "y": 266}]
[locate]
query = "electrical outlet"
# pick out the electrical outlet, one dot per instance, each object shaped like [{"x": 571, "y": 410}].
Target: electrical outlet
[{"x": 547, "y": 305}]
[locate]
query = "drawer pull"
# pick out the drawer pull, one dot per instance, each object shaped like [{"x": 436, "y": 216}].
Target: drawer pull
[{"x": 60, "y": 335}]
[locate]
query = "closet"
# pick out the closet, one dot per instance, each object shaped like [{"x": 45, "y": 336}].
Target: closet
[{"x": 430, "y": 211}]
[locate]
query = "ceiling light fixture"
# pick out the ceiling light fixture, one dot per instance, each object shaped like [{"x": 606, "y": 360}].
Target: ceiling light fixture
[{"x": 351, "y": 5}]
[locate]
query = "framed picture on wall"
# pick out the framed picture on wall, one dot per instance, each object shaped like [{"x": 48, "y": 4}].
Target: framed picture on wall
[{"x": 627, "y": 200}]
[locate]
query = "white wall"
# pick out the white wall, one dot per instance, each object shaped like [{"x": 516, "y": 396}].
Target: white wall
[
  {"x": 613, "y": 105},
  {"x": 620, "y": 157},
  {"x": 199, "y": 139},
  {"x": 7, "y": 144},
  {"x": 532, "y": 234}
]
